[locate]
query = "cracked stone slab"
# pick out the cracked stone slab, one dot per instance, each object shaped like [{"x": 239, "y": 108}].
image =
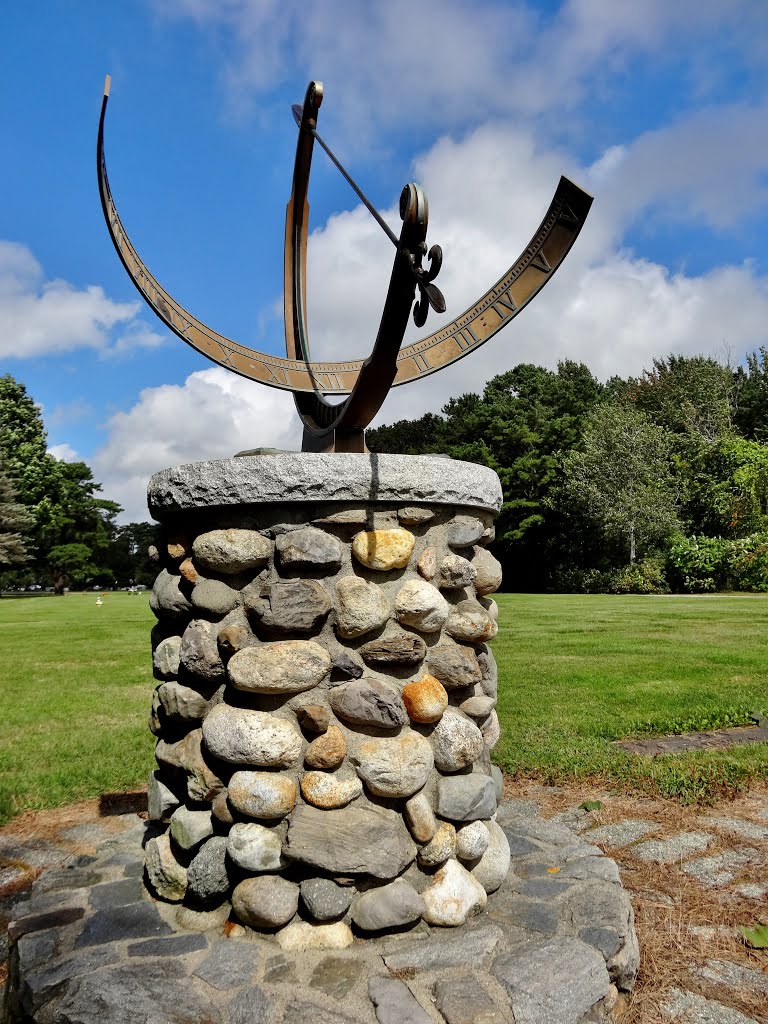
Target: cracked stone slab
[
  {"x": 719, "y": 869},
  {"x": 431, "y": 954},
  {"x": 676, "y": 848},
  {"x": 689, "y": 1008}
]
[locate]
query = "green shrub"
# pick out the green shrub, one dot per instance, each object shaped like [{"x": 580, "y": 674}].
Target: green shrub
[
  {"x": 699, "y": 564},
  {"x": 748, "y": 563},
  {"x": 644, "y": 577}
]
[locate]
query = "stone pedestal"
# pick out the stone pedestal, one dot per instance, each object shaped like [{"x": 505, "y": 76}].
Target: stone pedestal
[{"x": 325, "y": 708}]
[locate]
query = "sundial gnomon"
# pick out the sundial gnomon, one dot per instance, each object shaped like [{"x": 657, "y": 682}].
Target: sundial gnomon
[{"x": 341, "y": 426}]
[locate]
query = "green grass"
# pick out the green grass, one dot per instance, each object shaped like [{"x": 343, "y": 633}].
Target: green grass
[
  {"x": 579, "y": 671},
  {"x": 575, "y": 673}
]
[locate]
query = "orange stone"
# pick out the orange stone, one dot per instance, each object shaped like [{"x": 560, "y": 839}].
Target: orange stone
[
  {"x": 425, "y": 699},
  {"x": 188, "y": 571}
]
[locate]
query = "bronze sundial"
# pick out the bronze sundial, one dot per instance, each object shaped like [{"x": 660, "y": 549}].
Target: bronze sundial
[{"x": 341, "y": 426}]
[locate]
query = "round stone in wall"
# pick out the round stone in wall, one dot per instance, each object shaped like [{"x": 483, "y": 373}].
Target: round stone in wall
[
  {"x": 455, "y": 666},
  {"x": 168, "y": 600},
  {"x": 488, "y": 572},
  {"x": 471, "y": 622},
  {"x": 244, "y": 736},
  {"x": 388, "y": 906},
  {"x": 165, "y": 659},
  {"x": 361, "y": 607},
  {"x": 401, "y": 649},
  {"x": 383, "y": 550},
  {"x": 207, "y": 877},
  {"x": 199, "y": 652},
  {"x": 368, "y": 702},
  {"x": 167, "y": 877},
  {"x": 293, "y": 606},
  {"x": 472, "y": 840},
  {"x": 309, "y": 547},
  {"x": 453, "y": 897},
  {"x": 440, "y": 848},
  {"x": 425, "y": 699},
  {"x": 231, "y": 551},
  {"x": 265, "y": 795},
  {"x": 420, "y": 605},
  {"x": 328, "y": 751},
  {"x": 324, "y": 900},
  {"x": 254, "y": 847},
  {"x": 455, "y": 573},
  {"x": 457, "y": 742},
  {"x": 285, "y": 666},
  {"x": 267, "y": 901},
  {"x": 466, "y": 797},
  {"x": 329, "y": 790},
  {"x": 465, "y": 531},
  {"x": 491, "y": 870},
  {"x": 213, "y": 597},
  {"x": 396, "y": 766}
]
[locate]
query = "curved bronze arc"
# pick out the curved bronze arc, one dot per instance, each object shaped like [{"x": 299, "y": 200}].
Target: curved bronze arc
[{"x": 477, "y": 324}]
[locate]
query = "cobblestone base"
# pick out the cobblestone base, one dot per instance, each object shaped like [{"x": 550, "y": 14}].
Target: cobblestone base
[{"x": 557, "y": 945}]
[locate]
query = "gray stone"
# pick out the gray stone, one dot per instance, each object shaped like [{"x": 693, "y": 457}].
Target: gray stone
[
  {"x": 493, "y": 866},
  {"x": 324, "y": 900},
  {"x": 285, "y": 666},
  {"x": 601, "y": 905},
  {"x": 230, "y": 964},
  {"x": 312, "y": 477},
  {"x": 113, "y": 924},
  {"x": 182, "y": 703},
  {"x": 455, "y": 573},
  {"x": 42, "y": 985},
  {"x": 489, "y": 673},
  {"x": 213, "y": 597},
  {"x": 487, "y": 572},
  {"x": 676, "y": 848},
  {"x": 606, "y": 940},
  {"x": 402, "y": 649},
  {"x": 167, "y": 876},
  {"x": 491, "y": 730},
  {"x": 168, "y": 946},
  {"x": 200, "y": 651},
  {"x": 690, "y": 1008},
  {"x": 202, "y": 782},
  {"x": 462, "y": 1000},
  {"x": 533, "y": 916},
  {"x": 161, "y": 801},
  {"x": 453, "y": 897},
  {"x": 421, "y": 606},
  {"x": 456, "y": 741},
  {"x": 250, "y": 1006},
  {"x": 262, "y": 794},
  {"x": 116, "y": 894},
  {"x": 396, "y": 766},
  {"x": 479, "y": 706},
  {"x": 244, "y": 736},
  {"x": 280, "y": 969},
  {"x": 752, "y": 890},
  {"x": 267, "y": 901},
  {"x": 739, "y": 827},
  {"x": 412, "y": 515},
  {"x": 553, "y": 981},
  {"x": 546, "y": 888},
  {"x": 351, "y": 841},
  {"x": 207, "y": 878},
  {"x": 465, "y": 531},
  {"x": 361, "y": 607},
  {"x": 470, "y": 622},
  {"x": 150, "y": 993},
  {"x": 455, "y": 666},
  {"x": 420, "y": 818},
  {"x": 719, "y": 869},
  {"x": 369, "y": 702},
  {"x": 165, "y": 658},
  {"x": 309, "y": 547},
  {"x": 735, "y": 976},
  {"x": 394, "y": 1003},
  {"x": 621, "y": 833},
  {"x": 388, "y": 906},
  {"x": 345, "y": 667},
  {"x": 335, "y": 975},
  {"x": 435, "y": 954},
  {"x": 466, "y": 797},
  {"x": 254, "y": 847},
  {"x": 36, "y": 950},
  {"x": 230, "y": 551},
  {"x": 167, "y": 600},
  {"x": 294, "y": 606},
  {"x": 498, "y": 781},
  {"x": 188, "y": 828},
  {"x": 300, "y": 1011}
]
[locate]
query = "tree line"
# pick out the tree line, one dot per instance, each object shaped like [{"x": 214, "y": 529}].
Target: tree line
[
  {"x": 56, "y": 530},
  {"x": 639, "y": 485}
]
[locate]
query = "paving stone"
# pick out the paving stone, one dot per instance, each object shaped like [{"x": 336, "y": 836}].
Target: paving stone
[
  {"x": 736, "y": 976},
  {"x": 116, "y": 894},
  {"x": 250, "y": 1006},
  {"x": 534, "y": 917},
  {"x": 168, "y": 945},
  {"x": 719, "y": 869},
  {"x": 335, "y": 975},
  {"x": 689, "y": 1008},
  {"x": 135, "y": 921},
  {"x": 37, "y": 948},
  {"x": 676, "y": 848},
  {"x": 462, "y": 1000},
  {"x": 395, "y": 1004},
  {"x": 300, "y": 1011},
  {"x": 519, "y": 846},
  {"x": 621, "y": 833},
  {"x": 39, "y": 986},
  {"x": 752, "y": 890},
  {"x": 230, "y": 963},
  {"x": 280, "y": 969},
  {"x": 46, "y": 902},
  {"x": 739, "y": 827},
  {"x": 547, "y": 888},
  {"x": 606, "y": 940},
  {"x": 554, "y": 981},
  {"x": 452, "y": 951},
  {"x": 41, "y": 922}
]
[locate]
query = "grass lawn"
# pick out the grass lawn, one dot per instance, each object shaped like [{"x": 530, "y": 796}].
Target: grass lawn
[{"x": 575, "y": 672}]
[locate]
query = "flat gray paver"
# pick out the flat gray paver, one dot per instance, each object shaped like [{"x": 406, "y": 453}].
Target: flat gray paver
[
  {"x": 738, "y": 827},
  {"x": 736, "y": 976},
  {"x": 720, "y": 869},
  {"x": 676, "y": 848},
  {"x": 688, "y": 1008},
  {"x": 621, "y": 833}
]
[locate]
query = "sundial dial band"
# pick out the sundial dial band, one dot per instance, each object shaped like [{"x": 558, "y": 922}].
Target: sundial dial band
[{"x": 310, "y": 381}]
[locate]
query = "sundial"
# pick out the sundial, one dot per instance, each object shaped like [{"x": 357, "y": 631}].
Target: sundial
[{"x": 340, "y": 426}]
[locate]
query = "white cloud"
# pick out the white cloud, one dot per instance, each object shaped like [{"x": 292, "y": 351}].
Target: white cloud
[
  {"x": 39, "y": 316},
  {"x": 64, "y": 453},
  {"x": 212, "y": 415}
]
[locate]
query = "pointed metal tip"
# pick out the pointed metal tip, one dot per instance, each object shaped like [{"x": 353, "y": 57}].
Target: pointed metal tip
[
  {"x": 297, "y": 110},
  {"x": 107, "y": 83}
]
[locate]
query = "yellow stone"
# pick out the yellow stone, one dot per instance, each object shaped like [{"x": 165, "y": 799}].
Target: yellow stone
[{"x": 383, "y": 549}]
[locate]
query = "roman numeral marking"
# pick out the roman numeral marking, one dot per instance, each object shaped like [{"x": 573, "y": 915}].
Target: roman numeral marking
[
  {"x": 540, "y": 262},
  {"x": 567, "y": 216},
  {"x": 332, "y": 382},
  {"x": 276, "y": 374},
  {"x": 422, "y": 363},
  {"x": 465, "y": 338}
]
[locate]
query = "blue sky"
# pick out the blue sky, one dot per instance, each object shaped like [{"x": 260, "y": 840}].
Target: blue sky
[{"x": 659, "y": 109}]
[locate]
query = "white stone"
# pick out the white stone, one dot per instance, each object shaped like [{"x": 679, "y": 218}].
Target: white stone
[
  {"x": 329, "y": 790},
  {"x": 421, "y": 605},
  {"x": 360, "y": 607},
  {"x": 243, "y": 736},
  {"x": 488, "y": 572},
  {"x": 302, "y": 935},
  {"x": 472, "y": 840},
  {"x": 457, "y": 742},
  {"x": 454, "y": 897},
  {"x": 230, "y": 551},
  {"x": 165, "y": 659},
  {"x": 285, "y": 666},
  {"x": 493, "y": 866},
  {"x": 395, "y": 766},
  {"x": 254, "y": 847},
  {"x": 167, "y": 876},
  {"x": 189, "y": 828}
]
